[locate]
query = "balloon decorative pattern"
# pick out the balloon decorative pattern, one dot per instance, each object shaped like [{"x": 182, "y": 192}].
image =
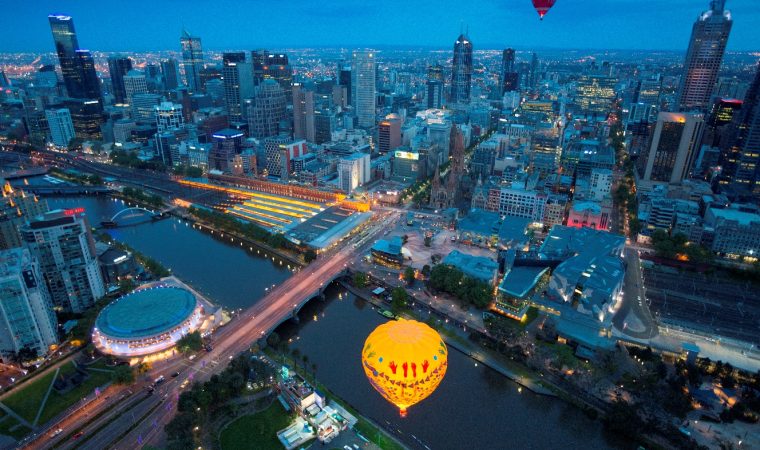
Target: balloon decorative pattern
[{"x": 405, "y": 361}]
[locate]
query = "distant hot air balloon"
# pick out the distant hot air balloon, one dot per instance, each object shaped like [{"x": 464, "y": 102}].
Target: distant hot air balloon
[
  {"x": 405, "y": 361},
  {"x": 543, "y": 6}
]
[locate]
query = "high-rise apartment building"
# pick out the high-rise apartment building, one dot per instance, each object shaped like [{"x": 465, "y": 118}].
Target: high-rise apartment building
[
  {"x": 60, "y": 125},
  {"x": 435, "y": 86},
  {"x": 27, "y": 320},
  {"x": 707, "y": 44},
  {"x": 16, "y": 208},
  {"x": 363, "y": 81},
  {"x": 62, "y": 243}
]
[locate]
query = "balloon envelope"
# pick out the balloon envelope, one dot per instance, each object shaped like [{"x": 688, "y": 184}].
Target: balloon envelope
[
  {"x": 543, "y": 6},
  {"x": 405, "y": 361}
]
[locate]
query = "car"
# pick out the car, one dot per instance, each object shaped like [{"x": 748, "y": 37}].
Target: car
[
  {"x": 356, "y": 447},
  {"x": 175, "y": 374},
  {"x": 78, "y": 435},
  {"x": 56, "y": 432},
  {"x": 159, "y": 380},
  {"x": 346, "y": 447}
]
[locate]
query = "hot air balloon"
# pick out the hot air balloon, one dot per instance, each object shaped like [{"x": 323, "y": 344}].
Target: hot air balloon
[
  {"x": 405, "y": 361},
  {"x": 543, "y": 7}
]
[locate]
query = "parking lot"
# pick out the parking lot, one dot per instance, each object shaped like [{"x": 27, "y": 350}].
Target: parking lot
[{"x": 713, "y": 304}]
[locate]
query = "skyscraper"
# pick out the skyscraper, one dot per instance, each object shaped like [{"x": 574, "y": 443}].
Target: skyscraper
[
  {"x": 170, "y": 73},
  {"x": 344, "y": 79},
  {"x": 237, "y": 76},
  {"x": 16, "y": 208},
  {"x": 118, "y": 66},
  {"x": 709, "y": 36},
  {"x": 267, "y": 110},
  {"x": 192, "y": 60},
  {"x": 740, "y": 160},
  {"x": 60, "y": 125},
  {"x": 461, "y": 70},
  {"x": 90, "y": 80},
  {"x": 435, "y": 86},
  {"x": 533, "y": 74},
  {"x": 389, "y": 134},
  {"x": 275, "y": 66},
  {"x": 134, "y": 83},
  {"x": 363, "y": 97},
  {"x": 510, "y": 79},
  {"x": 26, "y": 312},
  {"x": 674, "y": 146},
  {"x": 303, "y": 113},
  {"x": 66, "y": 46},
  {"x": 62, "y": 243}
]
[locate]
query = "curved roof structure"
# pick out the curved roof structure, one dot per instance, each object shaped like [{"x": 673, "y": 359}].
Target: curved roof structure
[{"x": 146, "y": 312}]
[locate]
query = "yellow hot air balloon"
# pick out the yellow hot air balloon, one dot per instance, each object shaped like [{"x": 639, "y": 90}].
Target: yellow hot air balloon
[{"x": 405, "y": 361}]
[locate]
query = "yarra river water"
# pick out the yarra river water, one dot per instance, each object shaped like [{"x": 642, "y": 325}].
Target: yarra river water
[{"x": 473, "y": 408}]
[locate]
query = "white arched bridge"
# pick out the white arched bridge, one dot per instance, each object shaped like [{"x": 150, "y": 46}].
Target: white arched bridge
[{"x": 152, "y": 214}]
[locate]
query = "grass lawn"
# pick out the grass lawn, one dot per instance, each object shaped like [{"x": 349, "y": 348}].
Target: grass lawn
[
  {"x": 256, "y": 431},
  {"x": 373, "y": 434},
  {"x": 27, "y": 399},
  {"x": 57, "y": 403},
  {"x": 7, "y": 423}
]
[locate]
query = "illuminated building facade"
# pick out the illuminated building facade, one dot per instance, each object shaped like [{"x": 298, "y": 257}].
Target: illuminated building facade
[
  {"x": 389, "y": 134},
  {"x": 510, "y": 78},
  {"x": 237, "y": 76},
  {"x": 226, "y": 144},
  {"x": 26, "y": 312},
  {"x": 363, "y": 95},
  {"x": 675, "y": 141},
  {"x": 60, "y": 125},
  {"x": 62, "y": 242},
  {"x": 461, "y": 70},
  {"x": 147, "y": 321},
  {"x": 192, "y": 60},
  {"x": 704, "y": 56},
  {"x": 267, "y": 110}
]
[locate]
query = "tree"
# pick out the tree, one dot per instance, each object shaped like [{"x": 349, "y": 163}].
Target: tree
[
  {"x": 273, "y": 340},
  {"x": 126, "y": 285},
  {"x": 194, "y": 172},
  {"x": 75, "y": 143},
  {"x": 191, "y": 342},
  {"x": 428, "y": 240},
  {"x": 360, "y": 280},
  {"x": 26, "y": 353},
  {"x": 426, "y": 270},
  {"x": 399, "y": 298},
  {"x": 309, "y": 256},
  {"x": 123, "y": 375},
  {"x": 409, "y": 275},
  {"x": 143, "y": 367}
]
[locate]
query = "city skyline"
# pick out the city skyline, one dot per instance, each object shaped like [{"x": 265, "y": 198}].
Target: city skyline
[{"x": 620, "y": 25}]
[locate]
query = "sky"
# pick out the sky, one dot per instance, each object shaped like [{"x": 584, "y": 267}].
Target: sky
[{"x": 143, "y": 25}]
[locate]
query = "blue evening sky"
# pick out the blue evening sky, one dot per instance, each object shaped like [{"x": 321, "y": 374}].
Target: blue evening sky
[{"x": 140, "y": 25}]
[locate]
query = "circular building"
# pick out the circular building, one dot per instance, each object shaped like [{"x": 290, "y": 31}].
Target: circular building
[{"x": 146, "y": 321}]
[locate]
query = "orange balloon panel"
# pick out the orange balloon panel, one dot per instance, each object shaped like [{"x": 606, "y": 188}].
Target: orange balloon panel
[{"x": 405, "y": 361}]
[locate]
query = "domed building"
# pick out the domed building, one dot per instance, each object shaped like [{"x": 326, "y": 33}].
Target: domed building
[{"x": 147, "y": 321}]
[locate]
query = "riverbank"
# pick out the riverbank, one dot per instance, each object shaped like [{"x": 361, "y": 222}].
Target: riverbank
[
  {"x": 458, "y": 343},
  {"x": 366, "y": 427}
]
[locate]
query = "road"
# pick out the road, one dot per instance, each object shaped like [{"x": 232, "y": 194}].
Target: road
[
  {"x": 634, "y": 318},
  {"x": 141, "y": 421}
]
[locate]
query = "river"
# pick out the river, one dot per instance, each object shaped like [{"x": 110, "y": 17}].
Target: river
[{"x": 473, "y": 408}]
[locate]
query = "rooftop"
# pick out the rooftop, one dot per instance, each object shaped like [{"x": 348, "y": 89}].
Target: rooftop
[
  {"x": 390, "y": 246},
  {"x": 478, "y": 267},
  {"x": 480, "y": 222},
  {"x": 567, "y": 241},
  {"x": 520, "y": 280},
  {"x": 146, "y": 312}
]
